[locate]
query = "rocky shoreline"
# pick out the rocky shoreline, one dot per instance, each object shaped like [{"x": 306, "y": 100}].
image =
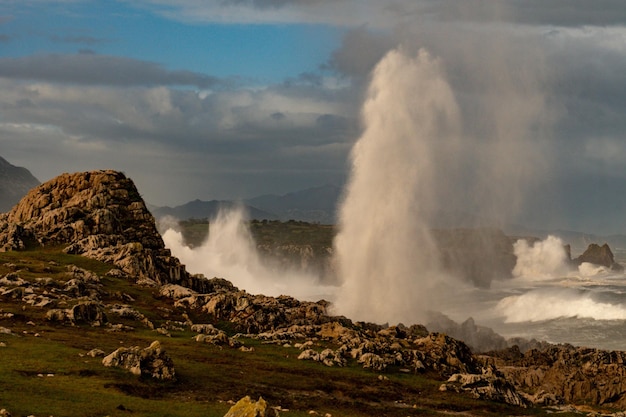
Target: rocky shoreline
[{"x": 101, "y": 215}]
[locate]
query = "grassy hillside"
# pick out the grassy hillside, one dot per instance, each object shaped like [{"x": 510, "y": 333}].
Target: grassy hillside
[{"x": 45, "y": 369}]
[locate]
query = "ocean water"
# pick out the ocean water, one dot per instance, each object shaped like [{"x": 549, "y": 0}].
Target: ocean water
[
  {"x": 546, "y": 300},
  {"x": 583, "y": 307}
]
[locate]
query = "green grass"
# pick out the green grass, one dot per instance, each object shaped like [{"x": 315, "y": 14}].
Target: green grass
[
  {"x": 207, "y": 376},
  {"x": 268, "y": 232}
]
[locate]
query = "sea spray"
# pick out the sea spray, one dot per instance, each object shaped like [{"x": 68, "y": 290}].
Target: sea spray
[
  {"x": 385, "y": 253},
  {"x": 230, "y": 252},
  {"x": 543, "y": 259}
]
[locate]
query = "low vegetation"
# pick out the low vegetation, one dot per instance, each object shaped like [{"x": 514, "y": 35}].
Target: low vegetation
[
  {"x": 268, "y": 232},
  {"x": 45, "y": 369}
]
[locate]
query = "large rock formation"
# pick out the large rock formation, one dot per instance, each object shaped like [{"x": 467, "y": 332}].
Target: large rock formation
[
  {"x": 97, "y": 214},
  {"x": 599, "y": 255},
  {"x": 477, "y": 255},
  {"x": 15, "y": 182}
]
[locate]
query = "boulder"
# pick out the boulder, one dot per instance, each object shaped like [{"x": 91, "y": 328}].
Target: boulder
[
  {"x": 490, "y": 385},
  {"x": 599, "y": 255},
  {"x": 248, "y": 408},
  {"x": 150, "y": 362},
  {"x": 88, "y": 312}
]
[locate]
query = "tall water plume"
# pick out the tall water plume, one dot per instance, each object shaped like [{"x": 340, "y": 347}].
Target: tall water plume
[{"x": 386, "y": 256}]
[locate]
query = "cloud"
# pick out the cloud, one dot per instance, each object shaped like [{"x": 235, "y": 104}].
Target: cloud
[
  {"x": 78, "y": 39},
  {"x": 181, "y": 144},
  {"x": 359, "y": 51},
  {"x": 558, "y": 66},
  {"x": 92, "y": 69},
  {"x": 387, "y": 14}
]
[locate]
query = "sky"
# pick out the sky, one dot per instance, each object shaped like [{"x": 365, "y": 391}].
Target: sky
[{"x": 225, "y": 99}]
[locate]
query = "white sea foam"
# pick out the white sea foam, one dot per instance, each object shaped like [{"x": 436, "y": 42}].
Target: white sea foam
[{"x": 553, "y": 303}]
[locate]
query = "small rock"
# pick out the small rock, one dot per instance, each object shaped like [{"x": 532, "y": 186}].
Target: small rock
[{"x": 247, "y": 408}]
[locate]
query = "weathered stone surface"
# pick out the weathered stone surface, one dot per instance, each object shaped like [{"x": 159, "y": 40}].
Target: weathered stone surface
[
  {"x": 150, "y": 362},
  {"x": 599, "y": 255},
  {"x": 98, "y": 214},
  {"x": 88, "y": 312},
  {"x": 248, "y": 408},
  {"x": 569, "y": 374},
  {"x": 259, "y": 313},
  {"x": 489, "y": 385},
  {"x": 478, "y": 338}
]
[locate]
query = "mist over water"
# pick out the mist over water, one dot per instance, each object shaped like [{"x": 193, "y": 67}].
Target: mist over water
[{"x": 543, "y": 259}]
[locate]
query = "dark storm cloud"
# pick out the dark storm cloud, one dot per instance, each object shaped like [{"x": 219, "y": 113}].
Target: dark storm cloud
[
  {"x": 532, "y": 12},
  {"x": 570, "y": 12},
  {"x": 359, "y": 51},
  {"x": 91, "y": 69}
]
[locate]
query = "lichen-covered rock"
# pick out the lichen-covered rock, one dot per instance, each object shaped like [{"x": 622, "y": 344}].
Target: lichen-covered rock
[
  {"x": 150, "y": 362},
  {"x": 248, "y": 408}
]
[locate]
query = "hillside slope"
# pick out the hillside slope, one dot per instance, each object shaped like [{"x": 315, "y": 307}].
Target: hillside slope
[{"x": 15, "y": 182}]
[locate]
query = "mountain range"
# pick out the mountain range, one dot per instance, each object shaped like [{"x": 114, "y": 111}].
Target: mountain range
[{"x": 314, "y": 205}]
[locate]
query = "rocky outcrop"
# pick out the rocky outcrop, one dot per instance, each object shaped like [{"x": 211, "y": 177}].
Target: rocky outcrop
[
  {"x": 489, "y": 385},
  {"x": 478, "y": 338},
  {"x": 567, "y": 374},
  {"x": 599, "y": 255},
  {"x": 150, "y": 362},
  {"x": 100, "y": 215},
  {"x": 476, "y": 255}
]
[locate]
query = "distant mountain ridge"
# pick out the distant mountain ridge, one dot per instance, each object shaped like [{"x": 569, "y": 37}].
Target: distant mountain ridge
[
  {"x": 319, "y": 205},
  {"x": 15, "y": 183},
  {"x": 199, "y": 209},
  {"x": 315, "y": 205}
]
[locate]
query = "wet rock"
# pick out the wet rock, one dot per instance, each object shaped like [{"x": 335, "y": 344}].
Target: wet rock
[{"x": 599, "y": 255}]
